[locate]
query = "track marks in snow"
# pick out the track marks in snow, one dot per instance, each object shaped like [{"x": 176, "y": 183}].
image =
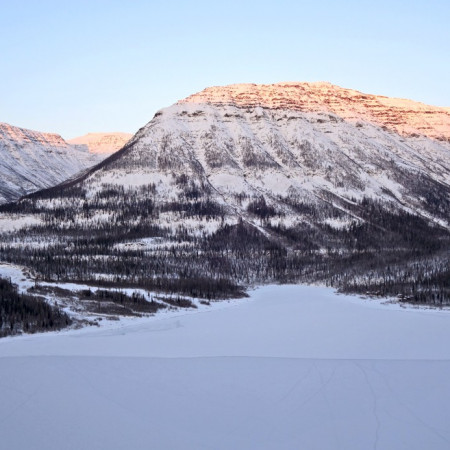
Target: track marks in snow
[{"x": 375, "y": 405}]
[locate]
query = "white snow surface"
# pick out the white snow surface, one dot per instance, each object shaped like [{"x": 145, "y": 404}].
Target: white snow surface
[
  {"x": 292, "y": 367},
  {"x": 8, "y": 223}
]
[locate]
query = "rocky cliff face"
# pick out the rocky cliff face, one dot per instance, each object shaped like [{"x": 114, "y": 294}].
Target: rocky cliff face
[
  {"x": 101, "y": 143},
  {"x": 30, "y": 160},
  {"x": 405, "y": 117}
]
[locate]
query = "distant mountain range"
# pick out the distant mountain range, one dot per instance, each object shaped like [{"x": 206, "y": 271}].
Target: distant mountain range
[
  {"x": 261, "y": 183},
  {"x": 101, "y": 143},
  {"x": 31, "y": 160}
]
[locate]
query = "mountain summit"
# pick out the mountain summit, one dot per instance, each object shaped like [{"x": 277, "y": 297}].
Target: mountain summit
[{"x": 400, "y": 115}]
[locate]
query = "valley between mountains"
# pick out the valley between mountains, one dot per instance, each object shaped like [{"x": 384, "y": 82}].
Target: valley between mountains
[{"x": 244, "y": 185}]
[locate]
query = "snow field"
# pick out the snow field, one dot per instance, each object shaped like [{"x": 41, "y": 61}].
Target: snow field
[{"x": 292, "y": 367}]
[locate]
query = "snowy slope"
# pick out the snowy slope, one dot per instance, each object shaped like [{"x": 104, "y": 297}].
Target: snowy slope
[
  {"x": 102, "y": 143},
  {"x": 292, "y": 367},
  {"x": 30, "y": 160}
]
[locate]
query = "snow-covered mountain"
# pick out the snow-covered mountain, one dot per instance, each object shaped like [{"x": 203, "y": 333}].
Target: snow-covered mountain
[
  {"x": 30, "y": 160},
  {"x": 304, "y": 142},
  {"x": 101, "y": 143}
]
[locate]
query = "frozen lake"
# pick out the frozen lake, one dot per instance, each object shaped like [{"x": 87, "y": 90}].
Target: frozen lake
[{"x": 293, "y": 367}]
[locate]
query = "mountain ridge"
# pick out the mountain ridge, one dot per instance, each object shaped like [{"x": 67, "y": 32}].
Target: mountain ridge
[
  {"x": 31, "y": 160},
  {"x": 349, "y": 104}
]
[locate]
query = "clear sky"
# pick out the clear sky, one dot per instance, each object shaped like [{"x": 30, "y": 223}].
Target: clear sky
[{"x": 73, "y": 67}]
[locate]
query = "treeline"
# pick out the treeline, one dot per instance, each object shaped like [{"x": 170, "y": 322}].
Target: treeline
[
  {"x": 421, "y": 282},
  {"x": 381, "y": 250},
  {"x": 118, "y": 302},
  {"x": 21, "y": 313}
]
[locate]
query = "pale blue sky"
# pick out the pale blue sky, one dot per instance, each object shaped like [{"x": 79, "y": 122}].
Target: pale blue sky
[{"x": 73, "y": 67}]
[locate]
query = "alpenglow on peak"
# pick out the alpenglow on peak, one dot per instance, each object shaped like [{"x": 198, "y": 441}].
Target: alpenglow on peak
[{"x": 403, "y": 116}]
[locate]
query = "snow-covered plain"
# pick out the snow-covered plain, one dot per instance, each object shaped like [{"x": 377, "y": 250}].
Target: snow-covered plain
[{"x": 292, "y": 367}]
